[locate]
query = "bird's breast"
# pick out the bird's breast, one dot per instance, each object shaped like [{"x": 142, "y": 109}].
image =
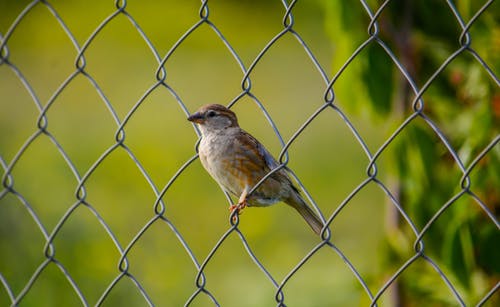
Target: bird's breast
[{"x": 218, "y": 157}]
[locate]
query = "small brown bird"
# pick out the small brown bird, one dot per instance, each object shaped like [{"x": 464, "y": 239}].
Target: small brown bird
[{"x": 237, "y": 161}]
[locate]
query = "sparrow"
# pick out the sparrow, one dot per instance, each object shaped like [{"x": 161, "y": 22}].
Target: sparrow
[{"x": 237, "y": 162}]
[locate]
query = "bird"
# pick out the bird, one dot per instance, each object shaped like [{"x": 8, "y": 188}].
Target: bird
[{"x": 237, "y": 161}]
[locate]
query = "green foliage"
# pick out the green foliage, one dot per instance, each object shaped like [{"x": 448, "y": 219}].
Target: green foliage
[{"x": 462, "y": 101}]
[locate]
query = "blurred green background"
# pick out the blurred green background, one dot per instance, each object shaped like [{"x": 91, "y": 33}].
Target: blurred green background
[{"x": 326, "y": 157}]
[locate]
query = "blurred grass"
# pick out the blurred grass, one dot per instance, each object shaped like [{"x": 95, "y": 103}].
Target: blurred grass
[{"x": 327, "y": 158}]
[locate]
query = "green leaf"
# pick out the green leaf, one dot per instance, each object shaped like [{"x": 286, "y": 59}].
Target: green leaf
[
  {"x": 379, "y": 71},
  {"x": 458, "y": 252},
  {"x": 488, "y": 249}
]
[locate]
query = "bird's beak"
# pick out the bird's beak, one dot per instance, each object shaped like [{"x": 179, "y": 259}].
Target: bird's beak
[{"x": 196, "y": 117}]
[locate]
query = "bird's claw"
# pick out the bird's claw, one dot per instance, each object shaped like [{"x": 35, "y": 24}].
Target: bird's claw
[{"x": 238, "y": 208}]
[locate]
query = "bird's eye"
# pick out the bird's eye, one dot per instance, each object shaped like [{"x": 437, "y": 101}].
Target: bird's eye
[{"x": 211, "y": 114}]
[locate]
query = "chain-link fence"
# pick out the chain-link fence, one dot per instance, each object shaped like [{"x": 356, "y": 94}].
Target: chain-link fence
[{"x": 97, "y": 158}]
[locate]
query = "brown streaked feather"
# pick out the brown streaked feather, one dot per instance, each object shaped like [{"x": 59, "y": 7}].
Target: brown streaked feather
[{"x": 251, "y": 155}]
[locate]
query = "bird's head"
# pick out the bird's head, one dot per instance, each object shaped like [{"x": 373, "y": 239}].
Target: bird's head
[{"x": 213, "y": 117}]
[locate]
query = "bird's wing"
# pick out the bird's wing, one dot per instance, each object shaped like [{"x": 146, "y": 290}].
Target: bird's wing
[
  {"x": 268, "y": 158},
  {"x": 259, "y": 155},
  {"x": 281, "y": 175},
  {"x": 256, "y": 152}
]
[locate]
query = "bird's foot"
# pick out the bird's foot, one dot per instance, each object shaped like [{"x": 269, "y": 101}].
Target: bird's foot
[{"x": 238, "y": 208}]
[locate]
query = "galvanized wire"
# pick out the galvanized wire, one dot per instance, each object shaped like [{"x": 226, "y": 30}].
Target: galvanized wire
[{"x": 329, "y": 103}]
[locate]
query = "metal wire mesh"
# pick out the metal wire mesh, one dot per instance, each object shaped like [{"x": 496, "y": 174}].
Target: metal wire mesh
[{"x": 200, "y": 286}]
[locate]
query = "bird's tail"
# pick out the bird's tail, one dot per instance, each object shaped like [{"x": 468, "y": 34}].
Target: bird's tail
[{"x": 307, "y": 213}]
